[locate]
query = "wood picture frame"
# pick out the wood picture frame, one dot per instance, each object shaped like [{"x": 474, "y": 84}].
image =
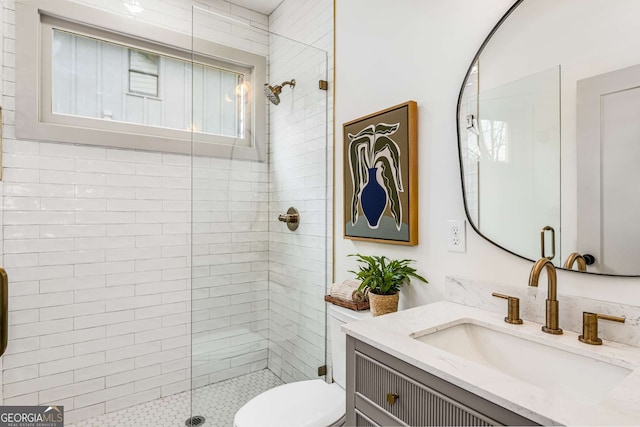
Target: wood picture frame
[{"x": 380, "y": 184}]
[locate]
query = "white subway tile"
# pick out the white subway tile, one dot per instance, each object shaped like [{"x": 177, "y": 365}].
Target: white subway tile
[
  {"x": 159, "y": 357},
  {"x": 72, "y": 283},
  {"x": 23, "y": 317},
  {"x": 133, "y": 326},
  {"x": 37, "y": 384},
  {"x": 43, "y": 329},
  {"x": 12, "y": 232},
  {"x": 133, "y": 254},
  {"x": 37, "y": 217},
  {"x": 73, "y": 205},
  {"x": 133, "y": 375},
  {"x": 102, "y": 294},
  {"x": 134, "y": 229},
  {"x": 145, "y": 278},
  {"x": 111, "y": 343},
  {"x": 160, "y": 334},
  {"x": 21, "y": 346},
  {"x": 71, "y": 257},
  {"x": 19, "y": 374},
  {"x": 133, "y": 302},
  {"x": 72, "y": 310},
  {"x": 130, "y": 352},
  {"x": 104, "y": 217},
  {"x": 103, "y": 268},
  {"x": 72, "y": 151},
  {"x": 59, "y": 393},
  {"x": 81, "y": 231},
  {"x": 30, "y": 399},
  {"x": 38, "y": 190},
  {"x": 103, "y": 319},
  {"x": 62, "y": 177},
  {"x": 160, "y": 310},
  {"x": 134, "y": 399},
  {"x": 72, "y": 363},
  {"x": 111, "y": 242},
  {"x": 103, "y": 370},
  {"x": 37, "y": 245},
  {"x": 72, "y": 337},
  {"x": 87, "y": 399},
  {"x": 160, "y": 263},
  {"x": 134, "y": 181}
]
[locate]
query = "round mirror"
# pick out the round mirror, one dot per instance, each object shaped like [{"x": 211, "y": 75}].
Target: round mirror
[{"x": 548, "y": 133}]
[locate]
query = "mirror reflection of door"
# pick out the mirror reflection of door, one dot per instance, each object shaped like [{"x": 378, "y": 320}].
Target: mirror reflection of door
[
  {"x": 608, "y": 129},
  {"x": 519, "y": 162}
]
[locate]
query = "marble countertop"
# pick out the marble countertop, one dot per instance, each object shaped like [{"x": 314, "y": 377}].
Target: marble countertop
[{"x": 392, "y": 333}]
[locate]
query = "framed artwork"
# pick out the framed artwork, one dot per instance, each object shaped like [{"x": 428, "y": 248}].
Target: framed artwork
[{"x": 381, "y": 176}]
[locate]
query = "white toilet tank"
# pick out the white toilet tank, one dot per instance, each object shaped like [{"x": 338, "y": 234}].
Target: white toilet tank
[{"x": 338, "y": 316}]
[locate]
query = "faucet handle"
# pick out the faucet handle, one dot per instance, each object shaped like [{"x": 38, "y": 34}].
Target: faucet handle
[
  {"x": 590, "y": 326},
  {"x": 513, "y": 314}
]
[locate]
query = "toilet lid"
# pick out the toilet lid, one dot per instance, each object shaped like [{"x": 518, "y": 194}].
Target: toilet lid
[{"x": 299, "y": 404}]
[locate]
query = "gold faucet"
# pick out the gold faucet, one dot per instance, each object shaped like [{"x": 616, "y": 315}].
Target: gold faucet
[
  {"x": 573, "y": 258},
  {"x": 551, "y": 326}
]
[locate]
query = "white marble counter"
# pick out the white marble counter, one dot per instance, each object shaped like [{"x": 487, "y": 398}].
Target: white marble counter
[{"x": 393, "y": 333}]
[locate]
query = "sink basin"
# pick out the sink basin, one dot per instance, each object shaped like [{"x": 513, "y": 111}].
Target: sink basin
[{"x": 555, "y": 370}]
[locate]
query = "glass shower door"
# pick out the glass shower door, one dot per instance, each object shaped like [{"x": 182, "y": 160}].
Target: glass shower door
[{"x": 258, "y": 315}]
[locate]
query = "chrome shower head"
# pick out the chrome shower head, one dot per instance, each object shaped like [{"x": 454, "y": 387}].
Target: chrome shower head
[{"x": 273, "y": 92}]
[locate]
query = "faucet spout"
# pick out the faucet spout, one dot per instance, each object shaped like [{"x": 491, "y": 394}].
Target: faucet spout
[{"x": 551, "y": 326}]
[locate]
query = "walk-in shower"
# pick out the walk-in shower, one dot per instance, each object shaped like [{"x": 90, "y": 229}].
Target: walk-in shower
[{"x": 151, "y": 283}]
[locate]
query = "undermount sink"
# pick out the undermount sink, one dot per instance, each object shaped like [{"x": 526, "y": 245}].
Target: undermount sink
[{"x": 555, "y": 370}]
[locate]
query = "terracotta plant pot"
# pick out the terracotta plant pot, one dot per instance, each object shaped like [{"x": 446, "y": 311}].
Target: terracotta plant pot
[{"x": 383, "y": 304}]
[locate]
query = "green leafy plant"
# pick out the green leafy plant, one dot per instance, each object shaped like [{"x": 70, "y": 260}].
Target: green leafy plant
[
  {"x": 384, "y": 276},
  {"x": 372, "y": 148}
]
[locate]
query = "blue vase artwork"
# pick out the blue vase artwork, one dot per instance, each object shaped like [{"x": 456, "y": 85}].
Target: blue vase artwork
[
  {"x": 373, "y": 199},
  {"x": 374, "y": 161}
]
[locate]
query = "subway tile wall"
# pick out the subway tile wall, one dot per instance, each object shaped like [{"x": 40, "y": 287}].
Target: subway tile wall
[
  {"x": 97, "y": 244},
  {"x": 301, "y": 146}
]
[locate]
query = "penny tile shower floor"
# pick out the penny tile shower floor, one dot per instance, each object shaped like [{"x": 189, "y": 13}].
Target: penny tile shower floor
[{"x": 218, "y": 403}]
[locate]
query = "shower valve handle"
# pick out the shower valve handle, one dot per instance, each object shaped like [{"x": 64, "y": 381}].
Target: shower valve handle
[
  {"x": 288, "y": 218},
  {"x": 291, "y": 218}
]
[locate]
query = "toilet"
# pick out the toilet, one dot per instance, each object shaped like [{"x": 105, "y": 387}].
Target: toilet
[{"x": 311, "y": 403}]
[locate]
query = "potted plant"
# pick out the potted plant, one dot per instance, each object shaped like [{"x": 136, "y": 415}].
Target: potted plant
[{"x": 384, "y": 277}]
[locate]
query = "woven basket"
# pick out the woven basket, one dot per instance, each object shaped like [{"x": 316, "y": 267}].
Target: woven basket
[{"x": 383, "y": 304}]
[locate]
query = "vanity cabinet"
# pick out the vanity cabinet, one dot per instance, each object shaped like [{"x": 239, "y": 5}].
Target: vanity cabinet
[{"x": 385, "y": 391}]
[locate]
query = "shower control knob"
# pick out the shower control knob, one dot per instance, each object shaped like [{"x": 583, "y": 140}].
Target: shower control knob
[{"x": 291, "y": 218}]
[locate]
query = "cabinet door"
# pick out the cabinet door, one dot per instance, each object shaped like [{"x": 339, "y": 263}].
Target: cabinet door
[
  {"x": 410, "y": 402},
  {"x": 388, "y": 392}
]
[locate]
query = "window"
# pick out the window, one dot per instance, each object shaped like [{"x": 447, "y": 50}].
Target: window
[{"x": 104, "y": 87}]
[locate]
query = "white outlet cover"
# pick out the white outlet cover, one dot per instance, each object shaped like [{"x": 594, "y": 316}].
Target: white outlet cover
[{"x": 456, "y": 235}]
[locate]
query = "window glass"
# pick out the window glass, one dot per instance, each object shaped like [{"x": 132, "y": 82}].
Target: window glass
[{"x": 104, "y": 80}]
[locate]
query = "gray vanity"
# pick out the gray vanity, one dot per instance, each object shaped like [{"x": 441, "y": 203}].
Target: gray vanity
[
  {"x": 452, "y": 364},
  {"x": 383, "y": 391}
]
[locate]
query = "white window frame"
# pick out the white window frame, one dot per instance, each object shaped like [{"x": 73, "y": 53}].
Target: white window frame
[{"x": 35, "y": 120}]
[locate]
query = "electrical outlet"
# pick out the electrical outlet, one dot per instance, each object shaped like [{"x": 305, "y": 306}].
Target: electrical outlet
[{"x": 457, "y": 241}]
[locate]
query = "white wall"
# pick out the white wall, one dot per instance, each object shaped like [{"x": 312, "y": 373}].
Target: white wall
[{"x": 427, "y": 46}]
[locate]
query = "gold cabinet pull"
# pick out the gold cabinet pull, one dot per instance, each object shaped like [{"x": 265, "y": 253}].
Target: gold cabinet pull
[
  {"x": 392, "y": 397},
  {"x": 513, "y": 306},
  {"x": 590, "y": 327},
  {"x": 4, "y": 313}
]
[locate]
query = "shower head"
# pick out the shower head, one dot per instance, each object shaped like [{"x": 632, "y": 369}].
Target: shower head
[{"x": 273, "y": 92}]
